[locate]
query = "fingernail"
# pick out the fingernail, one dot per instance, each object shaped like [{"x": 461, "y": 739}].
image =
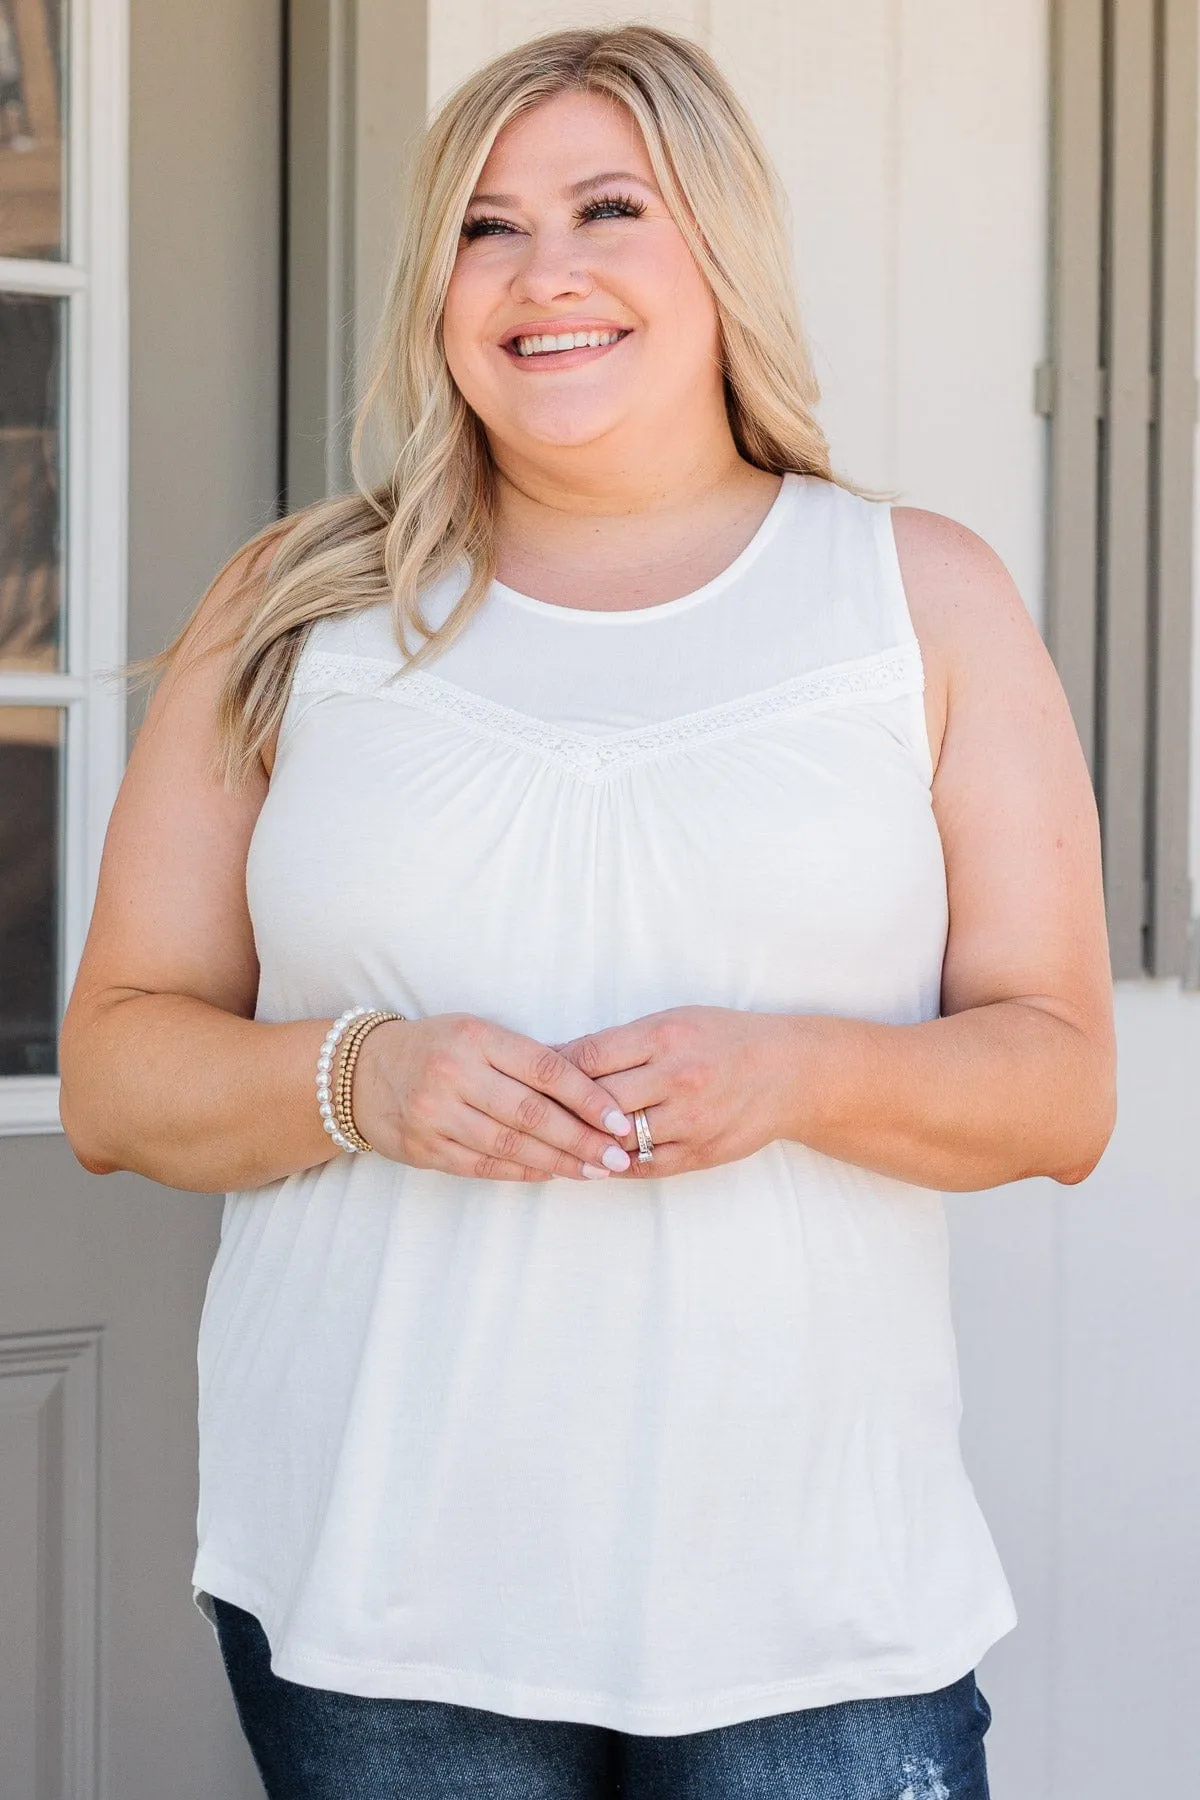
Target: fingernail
[
  {"x": 615, "y": 1158},
  {"x": 593, "y": 1173},
  {"x": 617, "y": 1123}
]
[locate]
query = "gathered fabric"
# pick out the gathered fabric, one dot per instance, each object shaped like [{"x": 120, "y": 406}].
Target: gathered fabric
[{"x": 656, "y": 1455}]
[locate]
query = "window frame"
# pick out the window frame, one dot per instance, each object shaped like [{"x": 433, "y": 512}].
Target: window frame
[{"x": 93, "y": 280}]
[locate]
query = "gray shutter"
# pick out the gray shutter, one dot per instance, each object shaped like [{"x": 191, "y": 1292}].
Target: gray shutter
[
  {"x": 1121, "y": 393},
  {"x": 1172, "y": 518}
]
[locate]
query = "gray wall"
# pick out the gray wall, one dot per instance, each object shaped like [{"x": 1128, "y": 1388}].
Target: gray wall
[{"x": 204, "y": 251}]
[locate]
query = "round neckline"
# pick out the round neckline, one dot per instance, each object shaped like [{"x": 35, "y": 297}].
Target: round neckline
[{"x": 665, "y": 609}]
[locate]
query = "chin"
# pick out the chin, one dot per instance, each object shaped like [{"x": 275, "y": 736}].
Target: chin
[{"x": 567, "y": 428}]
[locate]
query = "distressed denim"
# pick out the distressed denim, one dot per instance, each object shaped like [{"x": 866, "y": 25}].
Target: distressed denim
[{"x": 311, "y": 1744}]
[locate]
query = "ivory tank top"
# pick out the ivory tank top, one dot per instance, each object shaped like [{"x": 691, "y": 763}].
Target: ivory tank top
[{"x": 659, "y": 1455}]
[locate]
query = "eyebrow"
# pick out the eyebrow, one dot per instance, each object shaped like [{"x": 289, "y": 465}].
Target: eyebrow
[{"x": 576, "y": 187}]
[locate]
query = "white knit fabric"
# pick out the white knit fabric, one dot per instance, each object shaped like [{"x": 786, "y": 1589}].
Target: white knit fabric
[{"x": 658, "y": 1455}]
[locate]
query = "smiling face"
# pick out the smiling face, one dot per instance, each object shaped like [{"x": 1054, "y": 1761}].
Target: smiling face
[{"x": 575, "y": 310}]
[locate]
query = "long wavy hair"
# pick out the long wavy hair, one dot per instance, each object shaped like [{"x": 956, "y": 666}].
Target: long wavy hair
[{"x": 435, "y": 510}]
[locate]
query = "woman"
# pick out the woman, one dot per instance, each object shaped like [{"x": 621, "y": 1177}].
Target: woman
[{"x": 723, "y": 842}]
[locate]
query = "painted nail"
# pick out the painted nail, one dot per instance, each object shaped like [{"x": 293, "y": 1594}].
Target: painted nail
[
  {"x": 616, "y": 1122},
  {"x": 593, "y": 1173},
  {"x": 615, "y": 1158}
]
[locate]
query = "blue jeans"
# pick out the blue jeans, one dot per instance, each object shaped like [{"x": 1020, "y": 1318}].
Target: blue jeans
[{"x": 311, "y": 1744}]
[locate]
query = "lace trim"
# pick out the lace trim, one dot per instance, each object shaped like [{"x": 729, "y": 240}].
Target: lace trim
[{"x": 883, "y": 676}]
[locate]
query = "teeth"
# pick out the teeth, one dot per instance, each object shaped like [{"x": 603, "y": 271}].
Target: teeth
[{"x": 544, "y": 343}]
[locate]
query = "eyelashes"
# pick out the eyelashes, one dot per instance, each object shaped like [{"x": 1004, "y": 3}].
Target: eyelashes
[
  {"x": 610, "y": 206},
  {"x": 621, "y": 205}
]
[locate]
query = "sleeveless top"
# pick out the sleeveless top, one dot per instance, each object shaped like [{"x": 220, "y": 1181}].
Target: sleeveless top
[{"x": 657, "y": 1455}]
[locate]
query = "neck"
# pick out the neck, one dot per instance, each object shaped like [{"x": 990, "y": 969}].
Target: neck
[
  {"x": 630, "y": 532},
  {"x": 540, "y": 489}
]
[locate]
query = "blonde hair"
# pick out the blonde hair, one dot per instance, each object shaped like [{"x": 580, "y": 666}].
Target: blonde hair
[{"x": 435, "y": 510}]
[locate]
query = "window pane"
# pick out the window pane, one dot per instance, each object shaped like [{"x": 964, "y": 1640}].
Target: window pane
[
  {"x": 32, "y": 141},
  {"x": 31, "y": 481},
  {"x": 30, "y": 759}
]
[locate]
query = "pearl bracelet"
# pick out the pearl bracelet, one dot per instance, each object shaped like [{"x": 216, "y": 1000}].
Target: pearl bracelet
[
  {"x": 334, "y": 1097},
  {"x": 333, "y": 1038}
]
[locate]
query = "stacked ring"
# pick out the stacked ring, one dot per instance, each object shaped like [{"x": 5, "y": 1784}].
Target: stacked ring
[{"x": 645, "y": 1141}]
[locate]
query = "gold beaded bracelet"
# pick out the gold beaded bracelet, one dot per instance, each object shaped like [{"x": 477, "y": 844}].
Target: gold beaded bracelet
[{"x": 352, "y": 1043}]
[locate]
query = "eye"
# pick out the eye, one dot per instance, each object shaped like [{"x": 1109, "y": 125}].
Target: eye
[
  {"x": 610, "y": 206},
  {"x": 485, "y": 226}
]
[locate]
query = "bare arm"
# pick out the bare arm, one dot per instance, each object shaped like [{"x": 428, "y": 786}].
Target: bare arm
[
  {"x": 163, "y": 1069},
  {"x": 166, "y": 1072},
  {"x": 1017, "y": 1077}
]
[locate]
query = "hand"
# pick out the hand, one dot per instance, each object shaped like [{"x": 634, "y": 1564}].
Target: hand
[
  {"x": 461, "y": 1095},
  {"x": 713, "y": 1083}
]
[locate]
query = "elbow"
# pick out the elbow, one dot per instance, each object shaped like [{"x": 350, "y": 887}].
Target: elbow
[
  {"x": 1086, "y": 1154},
  {"x": 84, "y": 1144},
  {"x": 1077, "y": 1172},
  {"x": 81, "y": 1122},
  {"x": 93, "y": 1164}
]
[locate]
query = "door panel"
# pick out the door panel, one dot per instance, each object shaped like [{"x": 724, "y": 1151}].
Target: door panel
[
  {"x": 49, "y": 1417},
  {"x": 104, "y": 1661}
]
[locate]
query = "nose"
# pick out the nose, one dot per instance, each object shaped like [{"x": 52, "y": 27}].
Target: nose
[{"x": 549, "y": 270}]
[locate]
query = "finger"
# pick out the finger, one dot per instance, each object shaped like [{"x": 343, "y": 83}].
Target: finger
[
  {"x": 645, "y": 1087},
  {"x": 547, "y": 1070},
  {"x": 456, "y": 1159},
  {"x": 510, "y": 1103},
  {"x": 491, "y": 1142},
  {"x": 658, "y": 1123},
  {"x": 602, "y": 1053},
  {"x": 668, "y": 1159}
]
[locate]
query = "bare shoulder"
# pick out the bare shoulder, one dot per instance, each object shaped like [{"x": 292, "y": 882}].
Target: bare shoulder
[
  {"x": 954, "y": 580},
  {"x": 197, "y": 663},
  {"x": 971, "y": 622}
]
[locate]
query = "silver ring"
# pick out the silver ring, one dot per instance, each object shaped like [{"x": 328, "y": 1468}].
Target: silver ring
[{"x": 645, "y": 1141}]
